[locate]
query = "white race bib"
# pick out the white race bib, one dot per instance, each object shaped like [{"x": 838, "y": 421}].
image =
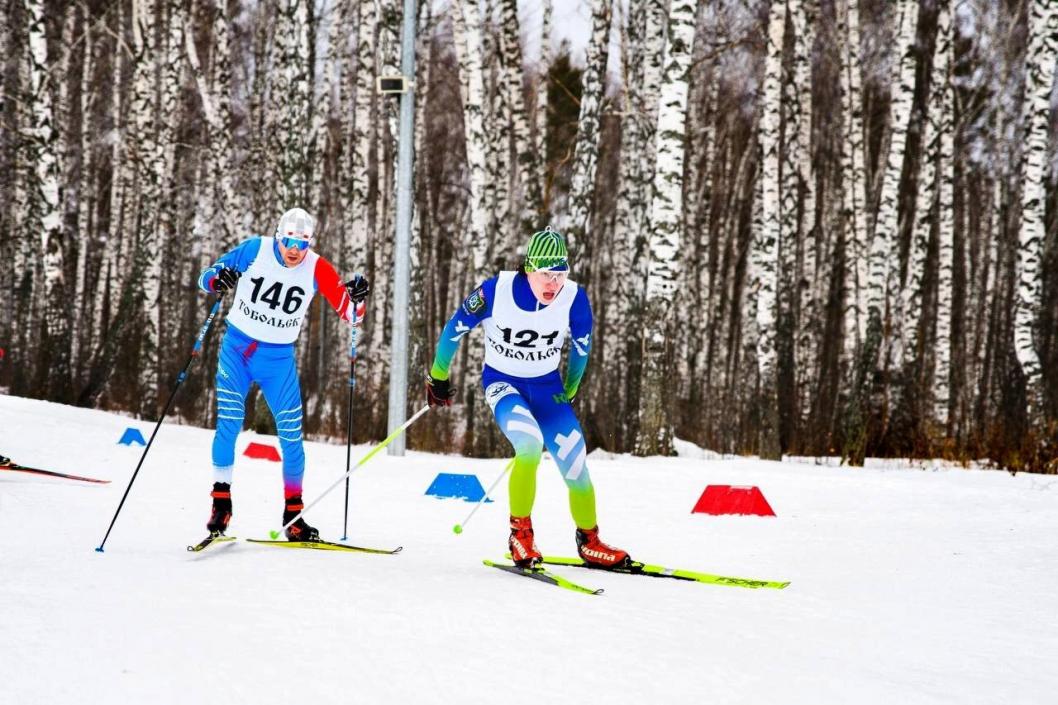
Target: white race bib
[
  {"x": 271, "y": 300},
  {"x": 526, "y": 343}
]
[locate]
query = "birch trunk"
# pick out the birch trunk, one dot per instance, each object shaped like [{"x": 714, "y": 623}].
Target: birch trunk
[
  {"x": 643, "y": 54},
  {"x": 145, "y": 151},
  {"x": 854, "y": 184},
  {"x": 1036, "y": 117},
  {"x": 359, "y": 146},
  {"x": 110, "y": 239},
  {"x": 586, "y": 152},
  {"x": 221, "y": 223},
  {"x": 10, "y": 139},
  {"x": 769, "y": 238},
  {"x": 655, "y": 435},
  {"x": 79, "y": 64},
  {"x": 514, "y": 75},
  {"x": 289, "y": 120},
  {"x": 540, "y": 110},
  {"x": 44, "y": 210},
  {"x": 466, "y": 16},
  {"x": 805, "y": 15},
  {"x": 943, "y": 55},
  {"x": 883, "y": 253},
  {"x": 503, "y": 173},
  {"x": 157, "y": 197}
]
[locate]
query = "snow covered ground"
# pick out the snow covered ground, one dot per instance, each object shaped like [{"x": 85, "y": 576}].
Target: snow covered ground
[{"x": 908, "y": 586}]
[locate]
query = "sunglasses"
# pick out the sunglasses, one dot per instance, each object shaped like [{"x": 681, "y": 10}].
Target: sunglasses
[
  {"x": 552, "y": 275},
  {"x": 298, "y": 242}
]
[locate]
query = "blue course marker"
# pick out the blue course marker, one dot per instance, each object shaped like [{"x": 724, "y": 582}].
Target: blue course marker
[
  {"x": 132, "y": 435},
  {"x": 456, "y": 486}
]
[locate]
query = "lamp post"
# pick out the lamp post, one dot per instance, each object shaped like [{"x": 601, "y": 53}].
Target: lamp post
[{"x": 398, "y": 371}]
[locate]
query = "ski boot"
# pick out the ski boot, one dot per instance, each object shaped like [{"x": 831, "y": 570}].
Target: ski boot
[
  {"x": 218, "y": 520},
  {"x": 524, "y": 552},
  {"x": 597, "y": 553},
  {"x": 4, "y": 461},
  {"x": 299, "y": 530}
]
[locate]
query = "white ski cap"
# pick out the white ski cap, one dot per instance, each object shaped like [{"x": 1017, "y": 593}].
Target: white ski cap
[{"x": 296, "y": 222}]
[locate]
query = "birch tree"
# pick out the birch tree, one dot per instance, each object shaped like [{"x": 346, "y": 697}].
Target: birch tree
[
  {"x": 945, "y": 220},
  {"x": 44, "y": 205},
  {"x": 514, "y": 73},
  {"x": 1040, "y": 67},
  {"x": 804, "y": 18},
  {"x": 359, "y": 145},
  {"x": 933, "y": 205},
  {"x": 655, "y": 435},
  {"x": 540, "y": 110},
  {"x": 643, "y": 54},
  {"x": 503, "y": 174},
  {"x": 586, "y": 153},
  {"x": 466, "y": 27},
  {"x": 221, "y": 216},
  {"x": 854, "y": 182},
  {"x": 147, "y": 148},
  {"x": 764, "y": 273},
  {"x": 882, "y": 256},
  {"x": 289, "y": 118}
]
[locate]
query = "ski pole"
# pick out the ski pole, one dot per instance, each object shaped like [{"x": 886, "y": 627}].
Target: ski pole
[
  {"x": 372, "y": 453},
  {"x": 179, "y": 380},
  {"x": 458, "y": 528},
  {"x": 349, "y": 424}
]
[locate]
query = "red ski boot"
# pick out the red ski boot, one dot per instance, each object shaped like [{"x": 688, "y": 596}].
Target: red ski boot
[
  {"x": 598, "y": 554},
  {"x": 524, "y": 552},
  {"x": 299, "y": 530},
  {"x": 221, "y": 514}
]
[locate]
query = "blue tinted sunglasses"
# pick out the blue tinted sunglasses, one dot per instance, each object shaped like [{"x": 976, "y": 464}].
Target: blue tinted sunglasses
[{"x": 300, "y": 243}]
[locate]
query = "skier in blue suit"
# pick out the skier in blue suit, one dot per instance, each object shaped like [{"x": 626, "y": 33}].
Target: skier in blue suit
[
  {"x": 526, "y": 316},
  {"x": 273, "y": 280}
]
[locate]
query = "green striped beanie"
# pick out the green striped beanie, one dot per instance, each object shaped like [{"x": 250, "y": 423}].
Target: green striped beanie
[{"x": 546, "y": 251}]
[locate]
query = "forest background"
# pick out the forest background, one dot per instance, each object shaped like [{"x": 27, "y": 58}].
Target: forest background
[{"x": 810, "y": 227}]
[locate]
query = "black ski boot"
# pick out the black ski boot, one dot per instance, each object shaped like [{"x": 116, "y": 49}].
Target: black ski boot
[
  {"x": 4, "y": 461},
  {"x": 218, "y": 520},
  {"x": 299, "y": 530}
]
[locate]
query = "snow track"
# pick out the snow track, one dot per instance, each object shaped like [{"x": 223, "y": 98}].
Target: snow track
[{"x": 908, "y": 586}]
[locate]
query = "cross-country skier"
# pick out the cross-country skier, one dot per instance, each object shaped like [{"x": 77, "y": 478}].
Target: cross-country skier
[
  {"x": 274, "y": 280},
  {"x": 526, "y": 316}
]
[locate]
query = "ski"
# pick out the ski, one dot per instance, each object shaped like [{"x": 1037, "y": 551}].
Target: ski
[
  {"x": 15, "y": 467},
  {"x": 327, "y": 546},
  {"x": 544, "y": 576},
  {"x": 210, "y": 540},
  {"x": 657, "y": 571}
]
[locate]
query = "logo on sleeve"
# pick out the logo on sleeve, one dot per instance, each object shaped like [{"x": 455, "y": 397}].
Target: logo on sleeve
[{"x": 475, "y": 303}]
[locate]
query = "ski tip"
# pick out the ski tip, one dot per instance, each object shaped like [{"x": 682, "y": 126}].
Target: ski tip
[{"x": 457, "y": 529}]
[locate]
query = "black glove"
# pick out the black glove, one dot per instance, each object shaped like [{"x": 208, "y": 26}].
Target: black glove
[
  {"x": 226, "y": 279},
  {"x": 358, "y": 287},
  {"x": 438, "y": 392}
]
